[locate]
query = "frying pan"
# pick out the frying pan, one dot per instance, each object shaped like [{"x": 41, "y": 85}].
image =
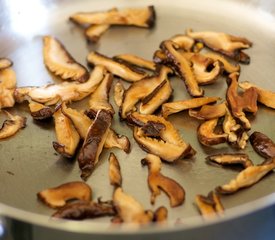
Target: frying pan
[{"x": 29, "y": 163}]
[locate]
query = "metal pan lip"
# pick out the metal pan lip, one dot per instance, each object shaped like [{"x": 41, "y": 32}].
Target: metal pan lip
[{"x": 86, "y": 227}]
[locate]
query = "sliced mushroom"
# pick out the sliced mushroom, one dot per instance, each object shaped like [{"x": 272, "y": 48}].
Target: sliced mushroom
[
  {"x": 136, "y": 61},
  {"x": 265, "y": 97},
  {"x": 231, "y": 159},
  {"x": 119, "y": 141},
  {"x": 66, "y": 135},
  {"x": 114, "y": 171},
  {"x": 207, "y": 135},
  {"x": 157, "y": 181},
  {"x": 209, "y": 111},
  {"x": 226, "y": 44},
  {"x": 169, "y": 146},
  {"x": 40, "y": 111},
  {"x": 118, "y": 93},
  {"x": 182, "y": 67},
  {"x": 247, "y": 177},
  {"x": 66, "y": 91},
  {"x": 99, "y": 99},
  {"x": 129, "y": 209},
  {"x": 57, "y": 197},
  {"x": 5, "y": 63},
  {"x": 239, "y": 104},
  {"x": 209, "y": 206},
  {"x": 178, "y": 106},
  {"x": 153, "y": 129},
  {"x": 160, "y": 57},
  {"x": 79, "y": 210},
  {"x": 140, "y": 17},
  {"x": 141, "y": 89},
  {"x": 117, "y": 68},
  {"x": 59, "y": 61},
  {"x": 184, "y": 42},
  {"x": 93, "y": 143},
  {"x": 12, "y": 125},
  {"x": 94, "y": 32},
  {"x": 160, "y": 215},
  {"x": 262, "y": 144}
]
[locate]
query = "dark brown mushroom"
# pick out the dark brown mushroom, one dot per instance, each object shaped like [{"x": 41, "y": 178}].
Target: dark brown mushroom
[
  {"x": 140, "y": 17},
  {"x": 114, "y": 171},
  {"x": 157, "y": 182},
  {"x": 59, "y": 61},
  {"x": 57, "y": 197},
  {"x": 40, "y": 111},
  {"x": 209, "y": 111},
  {"x": 5, "y": 63},
  {"x": 262, "y": 144},
  {"x": 118, "y": 93},
  {"x": 153, "y": 129},
  {"x": 93, "y": 143},
  {"x": 247, "y": 177},
  {"x": 94, "y": 32}
]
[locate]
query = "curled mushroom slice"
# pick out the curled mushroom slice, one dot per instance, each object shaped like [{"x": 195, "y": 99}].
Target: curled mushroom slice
[
  {"x": 262, "y": 144},
  {"x": 136, "y": 61},
  {"x": 66, "y": 91},
  {"x": 117, "y": 68},
  {"x": 247, "y": 177},
  {"x": 94, "y": 32},
  {"x": 118, "y": 93},
  {"x": 57, "y": 197},
  {"x": 5, "y": 63},
  {"x": 231, "y": 159},
  {"x": 160, "y": 215},
  {"x": 157, "y": 181},
  {"x": 66, "y": 134},
  {"x": 12, "y": 125},
  {"x": 209, "y": 206},
  {"x": 265, "y": 97},
  {"x": 226, "y": 44},
  {"x": 241, "y": 103},
  {"x": 119, "y": 141},
  {"x": 209, "y": 111},
  {"x": 169, "y": 145},
  {"x": 184, "y": 42},
  {"x": 129, "y": 209},
  {"x": 182, "y": 67},
  {"x": 59, "y": 61},
  {"x": 207, "y": 135},
  {"x": 40, "y": 111},
  {"x": 79, "y": 210},
  {"x": 178, "y": 106},
  {"x": 140, "y": 17},
  {"x": 141, "y": 89},
  {"x": 114, "y": 171},
  {"x": 93, "y": 143}
]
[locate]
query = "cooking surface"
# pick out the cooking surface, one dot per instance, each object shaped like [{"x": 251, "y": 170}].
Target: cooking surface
[{"x": 28, "y": 161}]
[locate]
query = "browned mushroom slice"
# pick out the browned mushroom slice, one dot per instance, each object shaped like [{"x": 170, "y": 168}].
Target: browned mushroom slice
[
  {"x": 209, "y": 206},
  {"x": 247, "y": 177},
  {"x": 118, "y": 141},
  {"x": 265, "y": 97},
  {"x": 209, "y": 111},
  {"x": 79, "y": 210},
  {"x": 93, "y": 143},
  {"x": 141, "y": 89},
  {"x": 58, "y": 196},
  {"x": 118, "y": 93},
  {"x": 178, "y": 106},
  {"x": 12, "y": 125},
  {"x": 40, "y": 111},
  {"x": 207, "y": 135},
  {"x": 140, "y": 17},
  {"x": 66, "y": 135},
  {"x": 184, "y": 42},
  {"x": 226, "y": 44},
  {"x": 157, "y": 181},
  {"x": 246, "y": 102},
  {"x": 59, "y": 61},
  {"x": 99, "y": 99},
  {"x": 152, "y": 129},
  {"x": 117, "y": 68},
  {"x": 136, "y": 61},
  {"x": 114, "y": 171},
  {"x": 94, "y": 32},
  {"x": 5, "y": 63},
  {"x": 129, "y": 209},
  {"x": 169, "y": 146},
  {"x": 66, "y": 91},
  {"x": 160, "y": 215},
  {"x": 160, "y": 57},
  {"x": 231, "y": 159},
  {"x": 262, "y": 144},
  {"x": 182, "y": 67}
]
